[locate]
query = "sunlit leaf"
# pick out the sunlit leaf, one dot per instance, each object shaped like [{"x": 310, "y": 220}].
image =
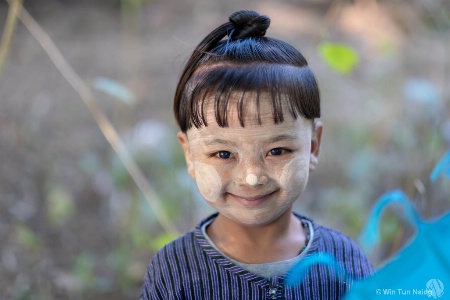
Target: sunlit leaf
[
  {"x": 114, "y": 89},
  {"x": 340, "y": 57}
]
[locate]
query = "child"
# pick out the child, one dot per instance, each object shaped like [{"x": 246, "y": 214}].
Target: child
[{"x": 247, "y": 107}]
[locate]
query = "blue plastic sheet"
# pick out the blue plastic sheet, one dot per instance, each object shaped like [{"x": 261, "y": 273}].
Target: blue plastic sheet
[{"x": 420, "y": 270}]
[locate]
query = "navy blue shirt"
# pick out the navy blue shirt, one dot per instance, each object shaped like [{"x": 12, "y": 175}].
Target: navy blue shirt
[{"x": 191, "y": 268}]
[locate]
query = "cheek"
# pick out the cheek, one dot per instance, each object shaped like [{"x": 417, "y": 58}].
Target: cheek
[
  {"x": 208, "y": 181},
  {"x": 295, "y": 174}
]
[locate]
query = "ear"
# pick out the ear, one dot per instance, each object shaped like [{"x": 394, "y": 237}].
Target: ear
[
  {"x": 184, "y": 142},
  {"x": 315, "y": 144}
]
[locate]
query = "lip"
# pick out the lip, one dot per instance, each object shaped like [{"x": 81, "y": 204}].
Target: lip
[{"x": 252, "y": 201}]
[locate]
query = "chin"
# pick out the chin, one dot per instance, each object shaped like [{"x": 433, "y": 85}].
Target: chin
[{"x": 254, "y": 219}]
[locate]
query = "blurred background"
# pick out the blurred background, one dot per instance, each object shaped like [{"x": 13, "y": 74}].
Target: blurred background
[{"x": 73, "y": 222}]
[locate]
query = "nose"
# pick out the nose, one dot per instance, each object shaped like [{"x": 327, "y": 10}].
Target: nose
[
  {"x": 252, "y": 173},
  {"x": 254, "y": 180}
]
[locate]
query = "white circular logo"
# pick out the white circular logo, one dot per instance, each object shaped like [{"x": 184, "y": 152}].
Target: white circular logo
[{"x": 435, "y": 288}]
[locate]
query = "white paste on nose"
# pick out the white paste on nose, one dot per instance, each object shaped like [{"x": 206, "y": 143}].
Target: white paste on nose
[{"x": 251, "y": 179}]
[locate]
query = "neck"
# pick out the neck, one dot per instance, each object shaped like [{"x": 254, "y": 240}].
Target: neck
[{"x": 279, "y": 240}]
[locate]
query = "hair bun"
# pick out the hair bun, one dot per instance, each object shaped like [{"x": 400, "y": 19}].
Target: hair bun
[{"x": 248, "y": 23}]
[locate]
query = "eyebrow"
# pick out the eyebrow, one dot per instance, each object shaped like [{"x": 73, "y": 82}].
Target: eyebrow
[
  {"x": 281, "y": 137},
  {"x": 216, "y": 141},
  {"x": 271, "y": 140}
]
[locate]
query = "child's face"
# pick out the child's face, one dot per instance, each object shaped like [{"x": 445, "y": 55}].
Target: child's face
[{"x": 252, "y": 174}]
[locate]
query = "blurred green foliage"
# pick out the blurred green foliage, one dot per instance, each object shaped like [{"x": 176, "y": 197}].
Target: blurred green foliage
[
  {"x": 340, "y": 57},
  {"x": 60, "y": 205},
  {"x": 132, "y": 4},
  {"x": 27, "y": 238}
]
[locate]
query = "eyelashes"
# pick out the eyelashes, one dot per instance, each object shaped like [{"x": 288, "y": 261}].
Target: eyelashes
[
  {"x": 224, "y": 154},
  {"x": 228, "y": 155},
  {"x": 278, "y": 151}
]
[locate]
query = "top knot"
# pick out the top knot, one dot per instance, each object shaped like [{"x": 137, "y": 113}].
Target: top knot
[{"x": 248, "y": 23}]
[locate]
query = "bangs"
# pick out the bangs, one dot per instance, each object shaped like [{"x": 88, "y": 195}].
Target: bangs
[{"x": 234, "y": 84}]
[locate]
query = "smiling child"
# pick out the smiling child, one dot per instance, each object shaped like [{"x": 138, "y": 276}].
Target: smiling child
[{"x": 248, "y": 109}]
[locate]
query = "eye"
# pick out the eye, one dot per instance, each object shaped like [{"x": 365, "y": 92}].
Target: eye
[
  {"x": 277, "y": 151},
  {"x": 224, "y": 154}
]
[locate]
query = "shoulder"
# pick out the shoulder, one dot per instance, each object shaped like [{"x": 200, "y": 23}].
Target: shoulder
[
  {"x": 329, "y": 237},
  {"x": 175, "y": 251},
  {"x": 176, "y": 267},
  {"x": 184, "y": 249},
  {"x": 166, "y": 267},
  {"x": 344, "y": 249}
]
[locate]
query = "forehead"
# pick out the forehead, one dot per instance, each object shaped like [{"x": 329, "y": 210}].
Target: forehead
[
  {"x": 258, "y": 118},
  {"x": 221, "y": 80},
  {"x": 247, "y": 109}
]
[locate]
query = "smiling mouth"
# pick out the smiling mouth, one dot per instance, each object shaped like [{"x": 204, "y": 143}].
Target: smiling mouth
[{"x": 252, "y": 201}]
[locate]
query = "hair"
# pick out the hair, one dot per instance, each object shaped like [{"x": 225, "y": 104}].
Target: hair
[{"x": 245, "y": 62}]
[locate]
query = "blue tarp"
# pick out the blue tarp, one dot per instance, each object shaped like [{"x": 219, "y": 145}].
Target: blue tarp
[{"x": 420, "y": 270}]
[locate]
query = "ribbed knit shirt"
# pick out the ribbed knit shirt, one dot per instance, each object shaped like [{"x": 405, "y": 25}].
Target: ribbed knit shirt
[{"x": 191, "y": 268}]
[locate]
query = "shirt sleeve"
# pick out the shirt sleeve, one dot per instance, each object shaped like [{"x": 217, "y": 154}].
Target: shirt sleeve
[
  {"x": 345, "y": 251},
  {"x": 153, "y": 287}
]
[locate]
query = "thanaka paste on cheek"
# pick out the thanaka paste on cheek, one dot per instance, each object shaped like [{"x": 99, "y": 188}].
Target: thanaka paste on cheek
[
  {"x": 252, "y": 170},
  {"x": 208, "y": 181},
  {"x": 291, "y": 171},
  {"x": 295, "y": 173}
]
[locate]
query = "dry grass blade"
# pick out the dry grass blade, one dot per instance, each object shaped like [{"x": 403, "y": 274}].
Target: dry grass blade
[
  {"x": 102, "y": 121},
  {"x": 8, "y": 31}
]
